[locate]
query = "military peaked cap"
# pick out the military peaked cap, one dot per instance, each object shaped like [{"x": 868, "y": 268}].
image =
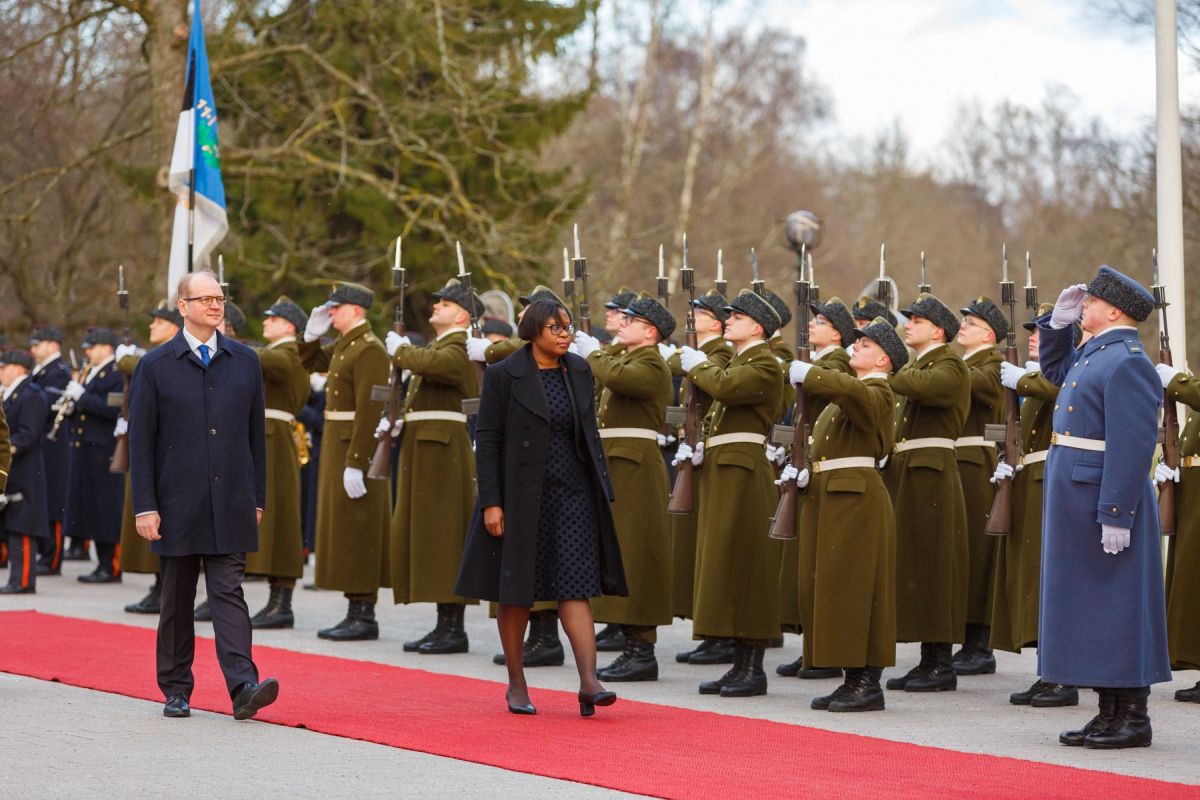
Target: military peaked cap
[
  {"x": 100, "y": 336},
  {"x": 13, "y": 355},
  {"x": 46, "y": 333}
]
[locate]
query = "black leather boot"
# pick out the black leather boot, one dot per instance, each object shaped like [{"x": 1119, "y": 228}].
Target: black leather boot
[
  {"x": 22, "y": 565},
  {"x": 151, "y": 603},
  {"x": 77, "y": 550},
  {"x": 202, "y": 613},
  {"x": 610, "y": 639},
  {"x": 941, "y": 678},
  {"x": 413, "y": 645},
  {"x": 1191, "y": 695},
  {"x": 454, "y": 635},
  {"x": 717, "y": 651},
  {"x": 636, "y": 663},
  {"x": 864, "y": 692},
  {"x": 975, "y": 657},
  {"x": 790, "y": 669},
  {"x": 531, "y": 639},
  {"x": 278, "y": 611},
  {"x": 818, "y": 673},
  {"x": 740, "y": 658},
  {"x": 1100, "y": 722},
  {"x": 924, "y": 666},
  {"x": 358, "y": 625},
  {"x": 1130, "y": 726},
  {"x": 1056, "y": 695},
  {"x": 752, "y": 680},
  {"x": 1026, "y": 697},
  {"x": 546, "y": 650},
  {"x": 822, "y": 703}
]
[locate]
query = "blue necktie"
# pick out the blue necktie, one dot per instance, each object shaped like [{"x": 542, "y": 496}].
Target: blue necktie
[{"x": 204, "y": 356}]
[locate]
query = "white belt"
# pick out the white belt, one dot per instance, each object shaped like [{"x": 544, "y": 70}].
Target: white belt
[
  {"x": 339, "y": 416},
  {"x": 928, "y": 441},
  {"x": 275, "y": 413},
  {"x": 629, "y": 433},
  {"x": 448, "y": 416},
  {"x": 1078, "y": 442},
  {"x": 735, "y": 438},
  {"x": 1036, "y": 457},
  {"x": 973, "y": 441},
  {"x": 1190, "y": 461},
  {"x": 850, "y": 462}
]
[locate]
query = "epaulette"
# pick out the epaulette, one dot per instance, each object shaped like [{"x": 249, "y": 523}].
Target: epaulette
[{"x": 1133, "y": 345}]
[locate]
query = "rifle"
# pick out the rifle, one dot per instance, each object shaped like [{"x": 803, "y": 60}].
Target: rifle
[
  {"x": 883, "y": 287},
  {"x": 381, "y": 461},
  {"x": 783, "y": 523},
  {"x": 756, "y": 283},
  {"x": 923, "y": 287},
  {"x": 464, "y": 278},
  {"x": 683, "y": 493},
  {"x": 664, "y": 289},
  {"x": 568, "y": 284},
  {"x": 721, "y": 284},
  {"x": 585, "y": 316},
  {"x": 814, "y": 291},
  {"x": 120, "y": 457},
  {"x": 1166, "y": 491},
  {"x": 1000, "y": 519}
]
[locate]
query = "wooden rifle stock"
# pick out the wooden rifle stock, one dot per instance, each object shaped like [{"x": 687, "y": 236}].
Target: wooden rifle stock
[
  {"x": 683, "y": 492},
  {"x": 1000, "y": 519},
  {"x": 1166, "y": 489},
  {"x": 381, "y": 461},
  {"x": 783, "y": 523},
  {"x": 119, "y": 463}
]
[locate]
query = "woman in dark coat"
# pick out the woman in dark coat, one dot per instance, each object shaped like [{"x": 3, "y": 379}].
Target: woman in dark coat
[{"x": 542, "y": 528}]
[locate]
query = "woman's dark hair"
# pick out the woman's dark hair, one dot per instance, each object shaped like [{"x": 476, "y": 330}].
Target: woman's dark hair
[{"x": 537, "y": 315}]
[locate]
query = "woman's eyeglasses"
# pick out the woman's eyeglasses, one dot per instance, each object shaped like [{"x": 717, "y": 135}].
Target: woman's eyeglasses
[{"x": 560, "y": 330}]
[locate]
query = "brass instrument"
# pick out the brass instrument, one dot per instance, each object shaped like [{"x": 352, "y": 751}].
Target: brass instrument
[
  {"x": 300, "y": 436},
  {"x": 66, "y": 406}
]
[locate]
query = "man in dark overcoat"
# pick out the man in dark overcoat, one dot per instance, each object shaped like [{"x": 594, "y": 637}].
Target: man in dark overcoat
[
  {"x": 1103, "y": 616},
  {"x": 198, "y": 460},
  {"x": 50, "y": 371},
  {"x": 23, "y": 522}
]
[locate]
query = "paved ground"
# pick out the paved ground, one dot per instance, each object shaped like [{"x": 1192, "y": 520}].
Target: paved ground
[{"x": 976, "y": 718}]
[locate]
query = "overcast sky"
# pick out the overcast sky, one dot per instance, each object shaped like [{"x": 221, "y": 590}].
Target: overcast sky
[{"x": 912, "y": 60}]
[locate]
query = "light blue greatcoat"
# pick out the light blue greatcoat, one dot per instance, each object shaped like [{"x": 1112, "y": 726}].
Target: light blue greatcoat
[{"x": 1103, "y": 617}]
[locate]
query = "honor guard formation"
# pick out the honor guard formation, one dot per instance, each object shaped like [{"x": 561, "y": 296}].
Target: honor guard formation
[{"x": 903, "y": 473}]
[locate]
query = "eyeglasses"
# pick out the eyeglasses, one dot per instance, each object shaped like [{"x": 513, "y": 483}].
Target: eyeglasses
[
  {"x": 559, "y": 330},
  {"x": 629, "y": 319},
  {"x": 206, "y": 300},
  {"x": 819, "y": 321}
]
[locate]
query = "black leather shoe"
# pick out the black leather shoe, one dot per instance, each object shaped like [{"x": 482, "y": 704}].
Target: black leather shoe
[
  {"x": 76, "y": 552},
  {"x": 1026, "y": 697},
  {"x": 1130, "y": 727},
  {"x": 177, "y": 706},
  {"x": 525, "y": 709},
  {"x": 253, "y": 697},
  {"x": 44, "y": 569},
  {"x": 100, "y": 575},
  {"x": 718, "y": 651},
  {"x": 11, "y": 589},
  {"x": 864, "y": 693},
  {"x": 1098, "y": 723},
  {"x": 791, "y": 669},
  {"x": 940, "y": 678},
  {"x": 610, "y": 639},
  {"x": 453, "y": 638},
  {"x": 752, "y": 680},
  {"x": 202, "y": 613},
  {"x": 1191, "y": 695},
  {"x": 637, "y": 663},
  {"x": 358, "y": 625},
  {"x": 150, "y": 604},
  {"x": 1056, "y": 695},
  {"x": 588, "y": 702}
]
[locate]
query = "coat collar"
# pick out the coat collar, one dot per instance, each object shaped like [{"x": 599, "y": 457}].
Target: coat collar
[
  {"x": 1110, "y": 336},
  {"x": 527, "y": 382},
  {"x": 181, "y": 348}
]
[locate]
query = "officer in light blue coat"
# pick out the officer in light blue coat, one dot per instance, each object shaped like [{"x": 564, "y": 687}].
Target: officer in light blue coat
[{"x": 1103, "y": 615}]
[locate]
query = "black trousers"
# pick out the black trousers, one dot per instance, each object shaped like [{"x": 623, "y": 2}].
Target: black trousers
[{"x": 230, "y": 620}]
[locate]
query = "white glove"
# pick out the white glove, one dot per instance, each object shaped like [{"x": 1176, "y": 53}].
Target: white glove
[
  {"x": 317, "y": 381},
  {"x": 776, "y": 455},
  {"x": 1166, "y": 373},
  {"x": 1010, "y": 374},
  {"x": 682, "y": 454},
  {"x": 883, "y": 461},
  {"x": 352, "y": 480},
  {"x": 798, "y": 371},
  {"x": 477, "y": 349},
  {"x": 586, "y": 343},
  {"x": 1163, "y": 473},
  {"x": 666, "y": 350},
  {"x": 1113, "y": 539},
  {"x": 665, "y": 440},
  {"x": 122, "y": 428},
  {"x": 790, "y": 473},
  {"x": 394, "y": 341},
  {"x": 690, "y": 358},
  {"x": 1033, "y": 366},
  {"x": 124, "y": 350},
  {"x": 383, "y": 428},
  {"x": 318, "y": 323},
  {"x": 73, "y": 391},
  {"x": 1069, "y": 306},
  {"x": 698, "y": 456},
  {"x": 1004, "y": 471}
]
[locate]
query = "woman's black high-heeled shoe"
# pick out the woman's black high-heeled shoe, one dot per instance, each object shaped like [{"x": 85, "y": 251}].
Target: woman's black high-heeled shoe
[
  {"x": 525, "y": 708},
  {"x": 588, "y": 702}
]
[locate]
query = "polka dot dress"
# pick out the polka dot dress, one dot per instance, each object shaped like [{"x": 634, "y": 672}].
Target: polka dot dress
[{"x": 567, "y": 566}]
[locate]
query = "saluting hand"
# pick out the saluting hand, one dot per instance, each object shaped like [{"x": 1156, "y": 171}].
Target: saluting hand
[
  {"x": 147, "y": 526},
  {"x": 1069, "y": 306},
  {"x": 493, "y": 520}
]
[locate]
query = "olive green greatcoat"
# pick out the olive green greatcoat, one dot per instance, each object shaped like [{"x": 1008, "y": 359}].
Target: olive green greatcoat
[
  {"x": 351, "y": 534},
  {"x": 1016, "y": 593},
  {"x": 933, "y": 397},
  {"x": 789, "y": 587},
  {"x": 280, "y": 540},
  {"x": 1183, "y": 553},
  {"x": 435, "y": 476},
  {"x": 847, "y": 538},
  {"x": 503, "y": 349},
  {"x": 683, "y": 526},
  {"x": 737, "y": 564},
  {"x": 636, "y": 390},
  {"x": 975, "y": 467},
  {"x": 135, "y": 555}
]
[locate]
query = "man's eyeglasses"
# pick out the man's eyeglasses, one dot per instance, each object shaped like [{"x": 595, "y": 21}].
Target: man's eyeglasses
[
  {"x": 560, "y": 330},
  {"x": 206, "y": 300},
  {"x": 629, "y": 319}
]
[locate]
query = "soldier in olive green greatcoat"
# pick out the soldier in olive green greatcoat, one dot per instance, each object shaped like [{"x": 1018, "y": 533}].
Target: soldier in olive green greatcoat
[
  {"x": 830, "y": 332},
  {"x": 636, "y": 390},
  {"x": 436, "y": 472},
  {"x": 280, "y": 553},
  {"x": 710, "y": 327},
  {"x": 1019, "y": 560},
  {"x": 847, "y": 530},
  {"x": 352, "y": 512},
  {"x": 933, "y": 397},
  {"x": 165, "y": 322},
  {"x": 983, "y": 325}
]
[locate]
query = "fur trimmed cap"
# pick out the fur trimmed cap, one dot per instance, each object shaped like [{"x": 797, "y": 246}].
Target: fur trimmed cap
[
  {"x": 781, "y": 308},
  {"x": 46, "y": 333},
  {"x": 455, "y": 292},
  {"x": 100, "y": 336},
  {"x": 646, "y": 307},
  {"x": 234, "y": 317},
  {"x": 984, "y": 308},
  {"x": 621, "y": 300},
  {"x": 284, "y": 308},
  {"x": 168, "y": 311},
  {"x": 868, "y": 308},
  {"x": 1042, "y": 310},
  {"x": 836, "y": 312},
  {"x": 497, "y": 326},
  {"x": 1122, "y": 292},
  {"x": 756, "y": 308},
  {"x": 541, "y": 293},
  {"x": 14, "y": 355},
  {"x": 714, "y": 303},
  {"x": 883, "y": 333},
  {"x": 354, "y": 294},
  {"x": 937, "y": 312}
]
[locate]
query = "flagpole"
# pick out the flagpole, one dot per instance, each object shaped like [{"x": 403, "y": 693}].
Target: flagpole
[
  {"x": 191, "y": 219},
  {"x": 1169, "y": 170}
]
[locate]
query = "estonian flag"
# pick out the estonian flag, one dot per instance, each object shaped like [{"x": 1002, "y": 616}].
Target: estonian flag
[{"x": 196, "y": 168}]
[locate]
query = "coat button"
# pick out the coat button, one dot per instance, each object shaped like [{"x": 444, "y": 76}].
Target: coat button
[
  {"x": 525, "y": 443},
  {"x": 216, "y": 478},
  {"x": 212, "y": 431}
]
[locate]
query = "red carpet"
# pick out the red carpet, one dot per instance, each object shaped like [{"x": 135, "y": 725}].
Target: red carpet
[{"x": 635, "y": 747}]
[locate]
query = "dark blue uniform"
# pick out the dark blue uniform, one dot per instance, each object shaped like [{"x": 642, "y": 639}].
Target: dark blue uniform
[
  {"x": 24, "y": 520},
  {"x": 55, "y": 374}
]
